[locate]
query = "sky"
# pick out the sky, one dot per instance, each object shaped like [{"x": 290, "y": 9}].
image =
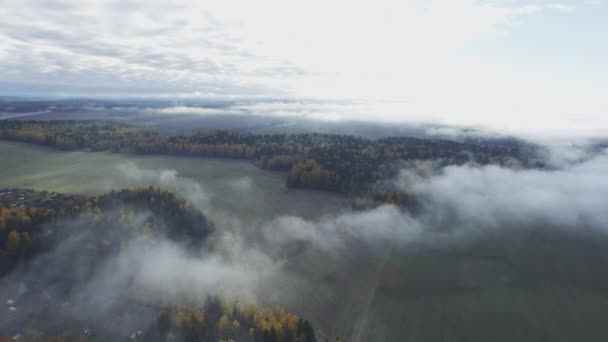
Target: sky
[{"x": 518, "y": 66}]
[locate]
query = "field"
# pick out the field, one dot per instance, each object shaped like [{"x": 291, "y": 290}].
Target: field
[{"x": 524, "y": 285}]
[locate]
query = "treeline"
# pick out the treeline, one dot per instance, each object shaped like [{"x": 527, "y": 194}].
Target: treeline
[
  {"x": 219, "y": 321},
  {"x": 70, "y": 135},
  {"x": 32, "y": 222},
  {"x": 342, "y": 163}
]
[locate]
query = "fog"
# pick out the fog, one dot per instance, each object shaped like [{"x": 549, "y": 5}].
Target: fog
[
  {"x": 494, "y": 197},
  {"x": 338, "y": 269},
  {"x": 274, "y": 115}
]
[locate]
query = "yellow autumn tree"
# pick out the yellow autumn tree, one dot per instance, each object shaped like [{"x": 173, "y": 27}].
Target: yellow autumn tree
[
  {"x": 292, "y": 323},
  {"x": 223, "y": 322},
  {"x": 198, "y": 316},
  {"x": 13, "y": 241}
]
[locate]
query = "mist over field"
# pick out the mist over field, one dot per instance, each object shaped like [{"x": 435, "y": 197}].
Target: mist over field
[
  {"x": 339, "y": 267},
  {"x": 300, "y": 172}
]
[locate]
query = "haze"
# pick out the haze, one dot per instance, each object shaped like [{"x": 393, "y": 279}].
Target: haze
[
  {"x": 519, "y": 66},
  {"x": 275, "y": 171}
]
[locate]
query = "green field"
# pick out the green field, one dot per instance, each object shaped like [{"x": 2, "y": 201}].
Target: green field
[
  {"x": 237, "y": 187},
  {"x": 520, "y": 285}
]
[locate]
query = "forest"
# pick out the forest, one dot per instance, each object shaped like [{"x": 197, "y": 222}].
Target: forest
[
  {"x": 34, "y": 222},
  {"x": 216, "y": 320},
  {"x": 31, "y": 221},
  {"x": 340, "y": 163}
]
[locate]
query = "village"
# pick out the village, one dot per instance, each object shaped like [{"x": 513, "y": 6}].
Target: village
[{"x": 26, "y": 198}]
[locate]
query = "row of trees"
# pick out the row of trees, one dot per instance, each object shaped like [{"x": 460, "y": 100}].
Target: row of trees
[
  {"x": 218, "y": 320},
  {"x": 214, "y": 321},
  {"x": 331, "y": 162}
]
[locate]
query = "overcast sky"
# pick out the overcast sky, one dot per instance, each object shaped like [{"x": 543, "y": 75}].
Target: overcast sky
[{"x": 519, "y": 66}]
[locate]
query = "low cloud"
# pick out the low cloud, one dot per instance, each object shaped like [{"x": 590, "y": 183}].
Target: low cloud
[
  {"x": 164, "y": 272},
  {"x": 471, "y": 197},
  {"x": 131, "y": 174},
  {"x": 318, "y": 110},
  {"x": 457, "y": 133},
  {"x": 460, "y": 199},
  {"x": 242, "y": 185},
  {"x": 187, "y": 110}
]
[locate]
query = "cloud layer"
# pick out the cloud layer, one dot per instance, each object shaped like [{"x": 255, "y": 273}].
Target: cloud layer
[
  {"x": 491, "y": 197},
  {"x": 413, "y": 61}
]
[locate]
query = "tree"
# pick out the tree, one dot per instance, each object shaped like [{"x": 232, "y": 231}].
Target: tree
[
  {"x": 308, "y": 332},
  {"x": 13, "y": 242},
  {"x": 198, "y": 316},
  {"x": 223, "y": 322}
]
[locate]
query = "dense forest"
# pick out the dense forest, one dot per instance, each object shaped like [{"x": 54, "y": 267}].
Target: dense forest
[
  {"x": 341, "y": 163},
  {"x": 33, "y": 222}
]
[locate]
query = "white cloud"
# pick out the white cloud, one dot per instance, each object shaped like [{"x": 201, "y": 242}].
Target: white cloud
[
  {"x": 242, "y": 185},
  {"x": 464, "y": 198},
  {"x": 195, "y": 42},
  {"x": 131, "y": 174},
  {"x": 187, "y": 110}
]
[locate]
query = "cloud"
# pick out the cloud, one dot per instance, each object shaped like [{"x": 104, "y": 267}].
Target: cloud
[
  {"x": 243, "y": 185},
  {"x": 163, "y": 272},
  {"x": 431, "y": 55},
  {"x": 288, "y": 108},
  {"x": 460, "y": 199},
  {"x": 491, "y": 197},
  {"x": 302, "y": 109},
  {"x": 132, "y": 174},
  {"x": 451, "y": 132},
  {"x": 187, "y": 110}
]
